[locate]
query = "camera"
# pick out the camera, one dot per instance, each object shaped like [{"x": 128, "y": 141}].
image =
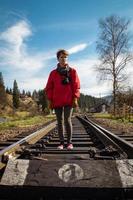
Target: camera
[{"x": 66, "y": 80}]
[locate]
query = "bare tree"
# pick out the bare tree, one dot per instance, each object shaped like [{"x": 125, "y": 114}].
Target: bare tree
[{"x": 113, "y": 48}]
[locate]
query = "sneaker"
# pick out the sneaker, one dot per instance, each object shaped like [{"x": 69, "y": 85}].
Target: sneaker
[
  {"x": 60, "y": 147},
  {"x": 70, "y": 146}
]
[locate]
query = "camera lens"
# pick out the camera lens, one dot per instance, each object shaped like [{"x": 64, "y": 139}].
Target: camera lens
[{"x": 65, "y": 81}]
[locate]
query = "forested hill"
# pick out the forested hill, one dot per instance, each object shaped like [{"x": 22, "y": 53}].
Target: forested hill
[{"x": 89, "y": 103}]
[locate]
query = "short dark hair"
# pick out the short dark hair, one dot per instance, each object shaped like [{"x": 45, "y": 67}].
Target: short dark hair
[{"x": 62, "y": 51}]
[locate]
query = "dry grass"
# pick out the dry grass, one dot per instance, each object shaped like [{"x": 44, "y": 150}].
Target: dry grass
[{"x": 116, "y": 126}]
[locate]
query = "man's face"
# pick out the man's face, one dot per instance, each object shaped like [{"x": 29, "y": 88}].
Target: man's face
[{"x": 63, "y": 59}]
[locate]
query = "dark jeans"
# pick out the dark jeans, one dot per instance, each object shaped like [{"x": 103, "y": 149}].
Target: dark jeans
[{"x": 63, "y": 116}]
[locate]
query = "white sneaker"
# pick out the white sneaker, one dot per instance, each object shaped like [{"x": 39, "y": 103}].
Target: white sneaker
[
  {"x": 60, "y": 147},
  {"x": 70, "y": 146}
]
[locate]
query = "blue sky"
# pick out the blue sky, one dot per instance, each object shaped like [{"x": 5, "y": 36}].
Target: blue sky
[{"x": 31, "y": 32}]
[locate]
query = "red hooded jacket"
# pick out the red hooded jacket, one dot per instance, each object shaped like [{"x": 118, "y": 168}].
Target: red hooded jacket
[{"x": 62, "y": 94}]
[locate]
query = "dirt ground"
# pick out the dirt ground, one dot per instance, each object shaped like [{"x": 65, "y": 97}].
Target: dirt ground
[{"x": 13, "y": 132}]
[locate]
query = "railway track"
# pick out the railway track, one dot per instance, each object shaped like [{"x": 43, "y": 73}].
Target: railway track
[
  {"x": 10, "y": 147},
  {"x": 124, "y": 141},
  {"x": 99, "y": 166}
]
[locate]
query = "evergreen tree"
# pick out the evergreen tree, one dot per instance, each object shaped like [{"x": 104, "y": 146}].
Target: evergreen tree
[
  {"x": 28, "y": 94},
  {"x": 43, "y": 101},
  {"x": 87, "y": 102},
  {"x": 15, "y": 95},
  {"x": 7, "y": 91},
  {"x": 35, "y": 95},
  {"x": 1, "y": 79},
  {"x": 23, "y": 92},
  {"x": 2, "y": 91},
  {"x": 10, "y": 91}
]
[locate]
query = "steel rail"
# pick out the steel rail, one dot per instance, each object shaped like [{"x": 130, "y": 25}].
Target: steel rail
[
  {"x": 125, "y": 146},
  {"x": 21, "y": 144}
]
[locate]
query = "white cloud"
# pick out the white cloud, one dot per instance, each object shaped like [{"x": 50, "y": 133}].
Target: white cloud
[
  {"x": 32, "y": 83},
  {"x": 16, "y": 34},
  {"x": 14, "y": 48},
  {"x": 77, "y": 48},
  {"x": 88, "y": 77}
]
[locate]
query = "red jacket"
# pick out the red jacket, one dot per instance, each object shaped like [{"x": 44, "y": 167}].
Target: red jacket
[{"x": 59, "y": 94}]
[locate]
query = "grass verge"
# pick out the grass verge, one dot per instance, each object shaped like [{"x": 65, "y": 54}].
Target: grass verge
[{"x": 24, "y": 120}]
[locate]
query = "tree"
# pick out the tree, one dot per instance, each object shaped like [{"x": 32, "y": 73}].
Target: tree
[
  {"x": 15, "y": 95},
  {"x": 89, "y": 103},
  {"x": 113, "y": 48},
  {"x": 28, "y": 94},
  {"x": 10, "y": 91},
  {"x": 35, "y": 95},
  {"x": 2, "y": 91},
  {"x": 7, "y": 91},
  {"x": 43, "y": 101},
  {"x": 125, "y": 102},
  {"x": 23, "y": 92}
]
